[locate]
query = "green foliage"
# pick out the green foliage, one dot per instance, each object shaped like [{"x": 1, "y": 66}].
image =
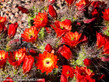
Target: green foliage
[{"x": 41, "y": 34}]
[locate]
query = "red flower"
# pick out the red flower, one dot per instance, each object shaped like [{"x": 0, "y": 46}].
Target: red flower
[
  {"x": 60, "y": 31},
  {"x": 72, "y": 39},
  {"x": 12, "y": 30},
  {"x": 101, "y": 40},
  {"x": 66, "y": 24},
  {"x": 28, "y": 63},
  {"x": 40, "y": 80},
  {"x": 83, "y": 74},
  {"x": 30, "y": 34},
  {"x": 40, "y": 20},
  {"x": 98, "y": 4},
  {"x": 3, "y": 57},
  {"x": 106, "y": 14},
  {"x": 95, "y": 13},
  {"x": 87, "y": 62},
  {"x": 2, "y": 23},
  {"x": 69, "y": 2},
  {"x": 46, "y": 62},
  {"x": 67, "y": 71},
  {"x": 65, "y": 52},
  {"x": 22, "y": 9},
  {"x": 106, "y": 47},
  {"x": 17, "y": 57},
  {"x": 48, "y": 48},
  {"x": 52, "y": 11},
  {"x": 51, "y": 1},
  {"x": 82, "y": 2},
  {"x": 8, "y": 79},
  {"x": 63, "y": 78},
  {"x": 48, "y": 30},
  {"x": 2, "y": 20}
]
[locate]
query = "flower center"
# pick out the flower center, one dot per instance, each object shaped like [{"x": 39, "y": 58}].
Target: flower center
[
  {"x": 61, "y": 27},
  {"x": 72, "y": 38},
  {"x": 68, "y": 72},
  {"x": 30, "y": 36},
  {"x": 48, "y": 62},
  {"x": 41, "y": 19}
]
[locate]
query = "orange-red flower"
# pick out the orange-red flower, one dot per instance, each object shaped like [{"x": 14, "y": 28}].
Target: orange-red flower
[
  {"x": 46, "y": 62},
  {"x": 65, "y": 52},
  {"x": 62, "y": 27},
  {"x": 106, "y": 14},
  {"x": 3, "y": 57},
  {"x": 95, "y": 13},
  {"x": 40, "y": 20},
  {"x": 101, "y": 40},
  {"x": 12, "y": 30},
  {"x": 106, "y": 47},
  {"x": 30, "y": 34},
  {"x": 83, "y": 74},
  {"x": 71, "y": 39},
  {"x": 2, "y": 23},
  {"x": 17, "y": 57},
  {"x": 68, "y": 71},
  {"x": 66, "y": 24},
  {"x": 8, "y": 79},
  {"x": 82, "y": 2},
  {"x": 2, "y": 20},
  {"x": 28, "y": 63},
  {"x": 52, "y": 11}
]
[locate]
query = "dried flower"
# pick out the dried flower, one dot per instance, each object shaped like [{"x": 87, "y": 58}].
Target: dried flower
[
  {"x": 46, "y": 62},
  {"x": 23, "y": 10}
]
